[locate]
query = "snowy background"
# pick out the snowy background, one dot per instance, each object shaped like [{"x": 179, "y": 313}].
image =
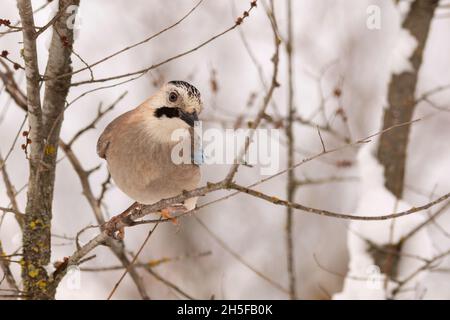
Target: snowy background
[{"x": 330, "y": 39}]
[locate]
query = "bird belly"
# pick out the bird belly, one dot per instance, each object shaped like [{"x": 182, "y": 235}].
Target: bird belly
[
  {"x": 143, "y": 189},
  {"x": 146, "y": 172}
]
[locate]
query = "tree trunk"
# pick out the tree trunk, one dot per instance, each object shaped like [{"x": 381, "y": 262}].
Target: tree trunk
[
  {"x": 401, "y": 97},
  {"x": 45, "y": 124}
]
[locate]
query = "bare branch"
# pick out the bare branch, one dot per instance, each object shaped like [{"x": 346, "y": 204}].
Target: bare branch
[
  {"x": 274, "y": 84},
  {"x": 132, "y": 261},
  {"x": 116, "y": 248},
  {"x": 327, "y": 213},
  {"x": 156, "y": 65},
  {"x": 100, "y": 114},
  {"x": 134, "y": 45},
  {"x": 235, "y": 255}
]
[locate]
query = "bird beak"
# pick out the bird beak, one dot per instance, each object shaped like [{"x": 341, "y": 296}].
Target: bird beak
[{"x": 189, "y": 118}]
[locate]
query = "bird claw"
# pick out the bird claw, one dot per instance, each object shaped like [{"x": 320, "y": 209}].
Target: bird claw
[
  {"x": 169, "y": 212},
  {"x": 112, "y": 228}
]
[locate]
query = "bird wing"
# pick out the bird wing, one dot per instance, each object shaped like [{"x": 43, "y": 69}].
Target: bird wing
[
  {"x": 102, "y": 145},
  {"x": 105, "y": 139}
]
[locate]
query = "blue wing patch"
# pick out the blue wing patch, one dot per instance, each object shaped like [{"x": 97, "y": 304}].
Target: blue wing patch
[{"x": 198, "y": 155}]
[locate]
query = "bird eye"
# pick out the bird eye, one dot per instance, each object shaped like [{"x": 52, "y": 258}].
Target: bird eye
[{"x": 173, "y": 96}]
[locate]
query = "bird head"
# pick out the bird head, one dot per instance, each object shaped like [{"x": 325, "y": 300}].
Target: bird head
[
  {"x": 178, "y": 100},
  {"x": 175, "y": 106}
]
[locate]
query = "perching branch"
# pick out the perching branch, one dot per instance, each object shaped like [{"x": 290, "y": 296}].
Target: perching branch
[{"x": 143, "y": 210}]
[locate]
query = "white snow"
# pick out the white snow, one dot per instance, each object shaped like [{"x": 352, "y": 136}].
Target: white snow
[
  {"x": 402, "y": 51},
  {"x": 376, "y": 200},
  {"x": 403, "y": 8},
  {"x": 403, "y": 44}
]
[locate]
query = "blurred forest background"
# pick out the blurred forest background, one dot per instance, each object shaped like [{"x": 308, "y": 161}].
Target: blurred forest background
[{"x": 341, "y": 71}]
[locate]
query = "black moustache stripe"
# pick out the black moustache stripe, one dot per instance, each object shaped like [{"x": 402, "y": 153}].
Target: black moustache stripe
[{"x": 168, "y": 112}]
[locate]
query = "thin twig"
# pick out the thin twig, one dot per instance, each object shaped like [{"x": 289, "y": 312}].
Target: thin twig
[
  {"x": 156, "y": 65},
  {"x": 291, "y": 186},
  {"x": 132, "y": 262},
  {"x": 134, "y": 45},
  {"x": 100, "y": 114},
  {"x": 235, "y": 255}
]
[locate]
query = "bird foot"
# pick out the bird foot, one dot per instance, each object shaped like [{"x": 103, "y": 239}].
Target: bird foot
[
  {"x": 169, "y": 212},
  {"x": 114, "y": 228}
]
